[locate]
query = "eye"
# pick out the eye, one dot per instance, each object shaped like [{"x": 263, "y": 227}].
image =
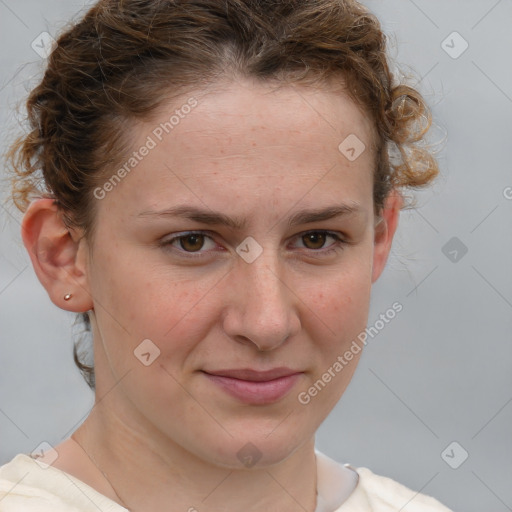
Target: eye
[
  {"x": 194, "y": 244},
  {"x": 316, "y": 240},
  {"x": 189, "y": 243}
]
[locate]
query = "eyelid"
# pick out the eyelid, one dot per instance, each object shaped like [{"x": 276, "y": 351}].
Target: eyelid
[
  {"x": 339, "y": 238},
  {"x": 340, "y": 241},
  {"x": 167, "y": 241}
]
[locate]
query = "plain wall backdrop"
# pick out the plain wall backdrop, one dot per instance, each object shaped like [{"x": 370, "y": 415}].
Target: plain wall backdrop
[{"x": 434, "y": 385}]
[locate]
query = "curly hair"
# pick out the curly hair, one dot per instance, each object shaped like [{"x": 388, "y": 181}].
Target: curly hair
[{"x": 125, "y": 58}]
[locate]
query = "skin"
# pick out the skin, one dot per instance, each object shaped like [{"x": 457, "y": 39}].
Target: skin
[{"x": 166, "y": 437}]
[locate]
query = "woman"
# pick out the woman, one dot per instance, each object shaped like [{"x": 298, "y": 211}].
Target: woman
[{"x": 221, "y": 184}]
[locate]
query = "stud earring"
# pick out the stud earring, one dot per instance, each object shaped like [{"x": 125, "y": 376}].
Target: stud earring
[{"x": 68, "y": 296}]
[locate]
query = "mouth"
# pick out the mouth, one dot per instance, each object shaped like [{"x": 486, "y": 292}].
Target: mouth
[{"x": 255, "y": 387}]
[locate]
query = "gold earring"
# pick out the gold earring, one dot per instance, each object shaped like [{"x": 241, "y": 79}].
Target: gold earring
[{"x": 68, "y": 296}]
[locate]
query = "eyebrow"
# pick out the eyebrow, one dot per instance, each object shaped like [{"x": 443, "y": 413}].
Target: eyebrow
[
  {"x": 209, "y": 217},
  {"x": 216, "y": 218}
]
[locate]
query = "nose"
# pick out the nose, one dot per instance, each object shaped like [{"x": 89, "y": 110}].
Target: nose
[{"x": 262, "y": 310}]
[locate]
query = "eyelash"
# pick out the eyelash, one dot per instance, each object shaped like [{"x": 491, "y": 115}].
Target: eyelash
[{"x": 339, "y": 242}]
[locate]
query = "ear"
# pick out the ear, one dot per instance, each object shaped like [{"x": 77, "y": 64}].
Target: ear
[
  {"x": 385, "y": 231},
  {"x": 58, "y": 255}
]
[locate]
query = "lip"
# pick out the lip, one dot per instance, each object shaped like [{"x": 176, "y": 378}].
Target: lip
[{"x": 255, "y": 387}]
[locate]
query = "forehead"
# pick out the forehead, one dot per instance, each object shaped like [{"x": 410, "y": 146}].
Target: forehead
[
  {"x": 253, "y": 138},
  {"x": 291, "y": 113}
]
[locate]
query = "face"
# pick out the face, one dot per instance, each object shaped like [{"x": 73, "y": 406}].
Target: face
[{"x": 241, "y": 247}]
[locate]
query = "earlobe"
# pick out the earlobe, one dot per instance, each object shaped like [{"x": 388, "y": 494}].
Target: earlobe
[
  {"x": 385, "y": 229},
  {"x": 58, "y": 258}
]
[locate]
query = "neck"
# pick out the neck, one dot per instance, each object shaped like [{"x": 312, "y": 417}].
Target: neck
[{"x": 148, "y": 472}]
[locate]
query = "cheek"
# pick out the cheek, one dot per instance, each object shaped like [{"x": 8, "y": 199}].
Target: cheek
[
  {"x": 144, "y": 298},
  {"x": 341, "y": 304},
  {"x": 339, "y": 313},
  {"x": 175, "y": 308}
]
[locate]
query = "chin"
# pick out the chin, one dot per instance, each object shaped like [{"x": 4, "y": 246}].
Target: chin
[{"x": 252, "y": 450}]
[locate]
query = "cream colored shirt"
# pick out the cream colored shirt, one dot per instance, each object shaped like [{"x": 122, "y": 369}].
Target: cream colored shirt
[{"x": 30, "y": 486}]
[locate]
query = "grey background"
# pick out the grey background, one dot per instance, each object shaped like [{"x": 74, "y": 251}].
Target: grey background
[{"x": 441, "y": 370}]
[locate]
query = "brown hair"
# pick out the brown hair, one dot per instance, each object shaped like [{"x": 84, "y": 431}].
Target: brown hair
[{"x": 124, "y": 58}]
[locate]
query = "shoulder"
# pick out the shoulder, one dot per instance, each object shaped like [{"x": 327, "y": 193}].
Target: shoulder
[
  {"x": 343, "y": 488},
  {"x": 383, "y": 494},
  {"x": 19, "y": 492},
  {"x": 32, "y": 486}
]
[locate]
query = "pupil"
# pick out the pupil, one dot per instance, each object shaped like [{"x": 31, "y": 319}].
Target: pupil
[{"x": 195, "y": 245}]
